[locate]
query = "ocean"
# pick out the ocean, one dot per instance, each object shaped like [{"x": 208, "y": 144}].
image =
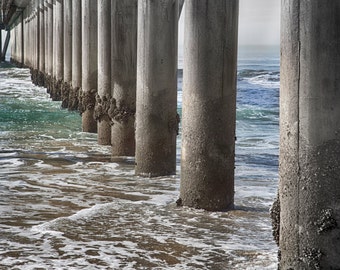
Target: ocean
[{"x": 65, "y": 203}]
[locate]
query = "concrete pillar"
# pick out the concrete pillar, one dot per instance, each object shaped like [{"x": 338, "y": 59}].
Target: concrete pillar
[
  {"x": 50, "y": 39},
  {"x": 1, "y": 58},
  {"x": 36, "y": 23},
  {"x": 45, "y": 4},
  {"x": 13, "y": 43},
  {"x": 30, "y": 42},
  {"x": 124, "y": 62},
  {"x": 209, "y": 104},
  {"x": 7, "y": 40},
  {"x": 156, "y": 109},
  {"x": 41, "y": 74},
  {"x": 89, "y": 64},
  {"x": 18, "y": 43},
  {"x": 25, "y": 38},
  {"x": 309, "y": 188},
  {"x": 76, "y": 55},
  {"x": 27, "y": 45},
  {"x": 35, "y": 45},
  {"x": 67, "y": 78},
  {"x": 59, "y": 50},
  {"x": 22, "y": 44},
  {"x": 104, "y": 72},
  {"x": 53, "y": 93}
]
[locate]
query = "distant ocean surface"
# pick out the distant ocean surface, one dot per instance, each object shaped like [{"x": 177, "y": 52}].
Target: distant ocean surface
[{"x": 65, "y": 203}]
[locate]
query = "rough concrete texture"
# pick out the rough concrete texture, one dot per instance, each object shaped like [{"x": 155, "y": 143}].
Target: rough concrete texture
[
  {"x": 65, "y": 95},
  {"x": 209, "y": 105},
  {"x": 76, "y": 44},
  {"x": 156, "y": 87},
  {"x": 56, "y": 91},
  {"x": 42, "y": 62},
  {"x": 41, "y": 78},
  {"x": 123, "y": 59},
  {"x": 73, "y": 104},
  {"x": 76, "y": 55},
  {"x": 101, "y": 115},
  {"x": 319, "y": 211},
  {"x": 45, "y": 7},
  {"x": 67, "y": 77},
  {"x": 275, "y": 217},
  {"x": 104, "y": 71},
  {"x": 89, "y": 63},
  {"x": 59, "y": 47},
  {"x": 309, "y": 188},
  {"x": 50, "y": 39}
]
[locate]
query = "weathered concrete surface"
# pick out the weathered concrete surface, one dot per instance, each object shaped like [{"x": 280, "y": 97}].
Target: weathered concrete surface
[
  {"x": 156, "y": 115},
  {"x": 26, "y": 39},
  {"x": 53, "y": 93},
  {"x": 67, "y": 78},
  {"x": 309, "y": 188},
  {"x": 76, "y": 56},
  {"x": 104, "y": 72},
  {"x": 124, "y": 62},
  {"x": 34, "y": 43},
  {"x": 59, "y": 47},
  {"x": 50, "y": 39},
  {"x": 45, "y": 4},
  {"x": 209, "y": 104},
  {"x": 1, "y": 57},
  {"x": 42, "y": 62},
  {"x": 89, "y": 64}
]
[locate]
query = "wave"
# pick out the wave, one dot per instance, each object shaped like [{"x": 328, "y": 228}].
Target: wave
[{"x": 264, "y": 78}]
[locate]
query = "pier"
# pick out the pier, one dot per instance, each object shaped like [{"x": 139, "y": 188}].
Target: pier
[{"x": 115, "y": 62}]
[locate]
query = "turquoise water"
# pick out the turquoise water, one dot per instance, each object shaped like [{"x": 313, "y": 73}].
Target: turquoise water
[{"x": 65, "y": 203}]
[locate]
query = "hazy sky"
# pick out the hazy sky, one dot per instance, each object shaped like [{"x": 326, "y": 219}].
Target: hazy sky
[{"x": 259, "y": 23}]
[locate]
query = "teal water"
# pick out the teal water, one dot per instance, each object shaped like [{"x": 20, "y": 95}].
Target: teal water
[{"x": 65, "y": 203}]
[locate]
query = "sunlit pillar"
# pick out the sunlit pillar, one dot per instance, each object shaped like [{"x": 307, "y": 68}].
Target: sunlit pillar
[
  {"x": 45, "y": 6},
  {"x": 53, "y": 93},
  {"x": 89, "y": 64},
  {"x": 35, "y": 41},
  {"x": 50, "y": 38},
  {"x": 67, "y": 77},
  {"x": 76, "y": 55},
  {"x": 41, "y": 74},
  {"x": 104, "y": 72},
  {"x": 124, "y": 58},
  {"x": 156, "y": 114},
  {"x": 59, "y": 50},
  {"x": 209, "y": 104},
  {"x": 26, "y": 38},
  {"x": 1, "y": 45},
  {"x": 309, "y": 187}
]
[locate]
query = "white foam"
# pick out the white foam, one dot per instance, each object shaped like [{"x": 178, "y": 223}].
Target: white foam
[{"x": 264, "y": 81}]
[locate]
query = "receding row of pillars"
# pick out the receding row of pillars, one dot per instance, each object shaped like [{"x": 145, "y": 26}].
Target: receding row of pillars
[{"x": 116, "y": 61}]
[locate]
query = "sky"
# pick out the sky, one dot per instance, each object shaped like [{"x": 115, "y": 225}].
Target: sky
[{"x": 259, "y": 23}]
